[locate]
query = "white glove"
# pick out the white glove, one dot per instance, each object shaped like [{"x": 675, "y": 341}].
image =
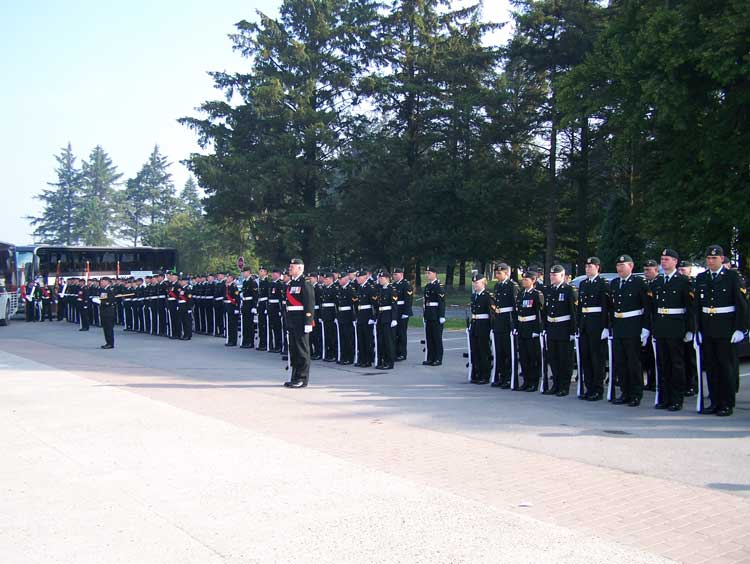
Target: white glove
[
  {"x": 308, "y": 328},
  {"x": 738, "y": 337},
  {"x": 534, "y": 335},
  {"x": 371, "y": 322},
  {"x": 514, "y": 332},
  {"x": 236, "y": 311},
  {"x": 572, "y": 337},
  {"x": 699, "y": 337},
  {"x": 253, "y": 311},
  {"x": 605, "y": 333},
  {"x": 688, "y": 337},
  {"x": 442, "y": 320},
  {"x": 404, "y": 316},
  {"x": 394, "y": 323},
  {"x": 644, "y": 336}
]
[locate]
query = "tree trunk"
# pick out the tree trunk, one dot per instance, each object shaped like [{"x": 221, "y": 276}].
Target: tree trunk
[
  {"x": 583, "y": 196},
  {"x": 449, "y": 272},
  {"x": 462, "y": 275},
  {"x": 417, "y": 275},
  {"x": 553, "y": 198}
]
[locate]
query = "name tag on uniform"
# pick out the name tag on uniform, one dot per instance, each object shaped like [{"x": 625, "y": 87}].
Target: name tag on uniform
[
  {"x": 295, "y": 289},
  {"x": 561, "y": 297},
  {"x": 527, "y": 303}
]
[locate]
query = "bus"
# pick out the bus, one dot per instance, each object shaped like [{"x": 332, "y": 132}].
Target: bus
[{"x": 8, "y": 283}]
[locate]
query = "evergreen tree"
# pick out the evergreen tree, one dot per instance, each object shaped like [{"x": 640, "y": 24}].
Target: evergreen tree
[{"x": 99, "y": 202}]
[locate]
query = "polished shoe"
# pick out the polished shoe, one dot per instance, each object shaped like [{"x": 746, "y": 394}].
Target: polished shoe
[
  {"x": 245, "y": 347},
  {"x": 562, "y": 394},
  {"x": 185, "y": 338},
  {"x": 635, "y": 402},
  {"x": 709, "y": 410},
  {"x": 106, "y": 347},
  {"x": 225, "y": 344},
  {"x": 661, "y": 406},
  {"x": 522, "y": 388},
  {"x": 595, "y": 397},
  {"x": 296, "y": 384},
  {"x": 621, "y": 400},
  {"x": 531, "y": 389},
  {"x": 690, "y": 392},
  {"x": 482, "y": 382},
  {"x": 329, "y": 360},
  {"x": 262, "y": 349},
  {"x": 505, "y": 386},
  {"x": 437, "y": 363},
  {"x": 675, "y": 407},
  {"x": 584, "y": 396},
  {"x": 316, "y": 357},
  {"x": 345, "y": 362},
  {"x": 550, "y": 392},
  {"x": 83, "y": 329},
  {"x": 381, "y": 367},
  {"x": 426, "y": 363},
  {"x": 400, "y": 358},
  {"x": 496, "y": 384},
  {"x": 724, "y": 412},
  {"x": 651, "y": 388}
]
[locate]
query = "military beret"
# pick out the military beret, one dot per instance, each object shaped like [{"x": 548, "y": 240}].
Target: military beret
[
  {"x": 246, "y": 269},
  {"x": 714, "y": 251},
  {"x": 530, "y": 274},
  {"x": 336, "y": 270},
  {"x": 384, "y": 274},
  {"x": 477, "y": 277},
  {"x": 431, "y": 269},
  {"x": 398, "y": 271},
  {"x": 594, "y": 260},
  {"x": 650, "y": 262},
  {"x": 263, "y": 267},
  {"x": 556, "y": 269},
  {"x": 686, "y": 264},
  {"x": 351, "y": 270},
  {"x": 296, "y": 261},
  {"x": 276, "y": 269},
  {"x": 327, "y": 275},
  {"x": 107, "y": 278},
  {"x": 670, "y": 253},
  {"x": 624, "y": 258},
  {"x": 502, "y": 267}
]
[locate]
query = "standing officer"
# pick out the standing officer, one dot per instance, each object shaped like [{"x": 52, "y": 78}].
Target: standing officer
[
  {"x": 529, "y": 309},
  {"x": 264, "y": 290},
  {"x": 506, "y": 292},
  {"x": 721, "y": 310},
  {"x": 631, "y": 321},
  {"x": 107, "y": 304},
  {"x": 366, "y": 300},
  {"x": 386, "y": 322},
  {"x": 231, "y": 310},
  {"x": 672, "y": 314},
  {"x": 316, "y": 338},
  {"x": 691, "y": 370},
  {"x": 345, "y": 326},
  {"x": 328, "y": 300},
  {"x": 593, "y": 323},
  {"x": 185, "y": 310},
  {"x": 275, "y": 289},
  {"x": 482, "y": 303},
  {"x": 434, "y": 318},
  {"x": 83, "y": 307},
  {"x": 220, "y": 290},
  {"x": 405, "y": 299},
  {"x": 300, "y": 298},
  {"x": 561, "y": 303},
  {"x": 172, "y": 296},
  {"x": 249, "y": 308},
  {"x": 650, "y": 274}
]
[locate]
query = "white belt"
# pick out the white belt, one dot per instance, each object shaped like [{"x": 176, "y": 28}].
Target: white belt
[
  {"x": 365, "y": 306},
  {"x": 626, "y": 314},
  {"x": 558, "y": 319},
  {"x": 219, "y": 299},
  {"x": 524, "y": 319},
  {"x": 345, "y": 308},
  {"x": 400, "y": 302},
  {"x": 295, "y": 308},
  {"x": 712, "y": 310},
  {"x": 273, "y": 301},
  {"x": 671, "y": 310},
  {"x": 317, "y": 307},
  {"x": 384, "y": 308},
  {"x": 432, "y": 304},
  {"x": 481, "y": 316},
  {"x": 505, "y": 310},
  {"x": 171, "y": 299},
  {"x": 329, "y": 304},
  {"x": 262, "y": 299},
  {"x": 596, "y": 309},
  {"x": 227, "y": 301}
]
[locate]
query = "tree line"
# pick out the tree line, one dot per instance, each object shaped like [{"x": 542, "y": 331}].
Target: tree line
[{"x": 393, "y": 134}]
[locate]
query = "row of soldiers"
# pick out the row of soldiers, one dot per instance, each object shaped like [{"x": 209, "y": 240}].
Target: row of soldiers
[{"x": 679, "y": 318}]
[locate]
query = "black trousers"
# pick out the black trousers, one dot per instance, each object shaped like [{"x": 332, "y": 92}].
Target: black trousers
[
  {"x": 670, "y": 354},
  {"x": 480, "y": 357},
  {"x": 231, "y": 325},
  {"x": 719, "y": 359},
  {"x": 648, "y": 363},
  {"x": 691, "y": 370},
  {"x": 559, "y": 353},
  {"x": 46, "y": 310},
  {"x": 503, "y": 360},
  {"x": 365, "y": 343},
  {"x": 219, "y": 319},
  {"x": 329, "y": 340},
  {"x": 248, "y": 325},
  {"x": 386, "y": 344},
  {"x": 626, "y": 355},
  {"x": 210, "y": 316},
  {"x": 345, "y": 340},
  {"x": 83, "y": 315},
  {"x": 299, "y": 355},
  {"x": 434, "y": 340},
  {"x": 592, "y": 360},
  {"x": 401, "y": 337},
  {"x": 274, "y": 324},
  {"x": 530, "y": 354},
  {"x": 184, "y": 322},
  {"x": 108, "y": 325},
  {"x": 174, "y": 321},
  {"x": 262, "y": 329}
]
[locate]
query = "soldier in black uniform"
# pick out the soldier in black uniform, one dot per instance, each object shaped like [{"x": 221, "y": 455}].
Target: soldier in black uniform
[
  {"x": 482, "y": 311},
  {"x": 593, "y": 324},
  {"x": 366, "y": 301},
  {"x": 404, "y": 303},
  {"x": 387, "y": 314},
  {"x": 249, "y": 308},
  {"x": 316, "y": 337},
  {"x": 434, "y": 318},
  {"x": 691, "y": 370},
  {"x": 345, "y": 326},
  {"x": 231, "y": 310},
  {"x": 506, "y": 291},
  {"x": 162, "y": 289},
  {"x": 275, "y": 289},
  {"x": 107, "y": 304},
  {"x": 650, "y": 273},
  {"x": 300, "y": 298},
  {"x": 185, "y": 310},
  {"x": 172, "y": 290},
  {"x": 721, "y": 312},
  {"x": 138, "y": 306},
  {"x": 630, "y": 320},
  {"x": 561, "y": 304},
  {"x": 328, "y": 299},
  {"x": 529, "y": 311},
  {"x": 220, "y": 289},
  {"x": 672, "y": 314},
  {"x": 83, "y": 307},
  {"x": 264, "y": 290}
]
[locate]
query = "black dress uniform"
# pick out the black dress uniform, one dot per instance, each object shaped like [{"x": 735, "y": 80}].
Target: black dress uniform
[
  {"x": 220, "y": 289},
  {"x": 366, "y": 300},
  {"x": 502, "y": 327},
  {"x": 529, "y": 311},
  {"x": 434, "y": 312},
  {"x": 316, "y": 339},
  {"x": 275, "y": 289},
  {"x": 387, "y": 322},
  {"x": 672, "y": 318},
  {"x": 405, "y": 299},
  {"x": 593, "y": 319},
  {"x": 174, "y": 326},
  {"x": 721, "y": 310},
  {"x": 107, "y": 304},
  {"x": 264, "y": 289},
  {"x": 83, "y": 307},
  {"x": 248, "y": 310},
  {"x": 630, "y": 315},
  {"x": 561, "y": 305},
  {"x": 328, "y": 336},
  {"x": 648, "y": 360},
  {"x": 479, "y": 334},
  {"x": 231, "y": 312},
  {"x": 300, "y": 308},
  {"x": 346, "y": 299},
  {"x": 185, "y": 312}
]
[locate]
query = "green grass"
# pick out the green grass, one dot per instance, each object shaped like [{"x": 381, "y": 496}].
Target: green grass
[{"x": 450, "y": 323}]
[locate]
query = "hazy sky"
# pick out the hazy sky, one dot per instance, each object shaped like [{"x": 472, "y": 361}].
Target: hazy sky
[{"x": 115, "y": 74}]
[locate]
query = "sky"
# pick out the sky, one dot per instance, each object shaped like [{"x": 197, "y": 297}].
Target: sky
[{"x": 115, "y": 74}]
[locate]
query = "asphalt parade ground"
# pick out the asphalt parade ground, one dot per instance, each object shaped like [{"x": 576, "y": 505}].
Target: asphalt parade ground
[{"x": 166, "y": 451}]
